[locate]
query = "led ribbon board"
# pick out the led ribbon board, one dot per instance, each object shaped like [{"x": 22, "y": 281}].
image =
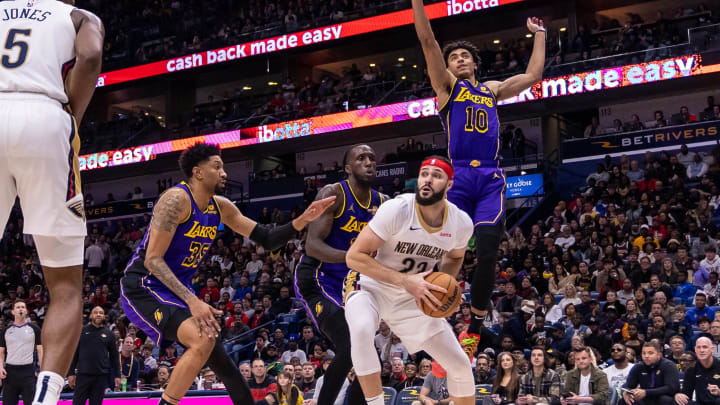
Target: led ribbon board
[
  {"x": 295, "y": 40},
  {"x": 623, "y": 76}
]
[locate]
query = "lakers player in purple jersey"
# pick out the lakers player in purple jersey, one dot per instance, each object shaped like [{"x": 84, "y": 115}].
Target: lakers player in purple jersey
[
  {"x": 319, "y": 275},
  {"x": 468, "y": 110},
  {"x": 156, "y": 288}
]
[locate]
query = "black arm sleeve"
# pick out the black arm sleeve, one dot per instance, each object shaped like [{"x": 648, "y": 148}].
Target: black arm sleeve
[
  {"x": 114, "y": 358},
  {"x": 274, "y": 238}
]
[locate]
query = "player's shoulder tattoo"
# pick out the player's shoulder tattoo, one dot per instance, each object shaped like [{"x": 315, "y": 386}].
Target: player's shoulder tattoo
[{"x": 170, "y": 210}]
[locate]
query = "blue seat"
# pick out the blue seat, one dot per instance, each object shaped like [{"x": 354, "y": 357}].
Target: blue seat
[
  {"x": 678, "y": 300},
  {"x": 466, "y": 297},
  {"x": 594, "y": 295},
  {"x": 558, "y": 298},
  {"x": 715, "y": 308},
  {"x": 408, "y": 395},
  {"x": 482, "y": 391},
  {"x": 602, "y": 304},
  {"x": 284, "y": 327},
  {"x": 390, "y": 395}
]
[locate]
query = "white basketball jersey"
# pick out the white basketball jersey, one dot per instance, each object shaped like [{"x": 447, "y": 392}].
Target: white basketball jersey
[
  {"x": 411, "y": 246},
  {"x": 37, "y": 47}
]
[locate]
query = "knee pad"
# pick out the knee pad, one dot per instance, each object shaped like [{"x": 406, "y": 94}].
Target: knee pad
[
  {"x": 60, "y": 251},
  {"x": 362, "y": 322}
]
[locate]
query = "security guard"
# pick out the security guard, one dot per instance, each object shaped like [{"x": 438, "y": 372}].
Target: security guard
[
  {"x": 19, "y": 341},
  {"x": 95, "y": 359}
]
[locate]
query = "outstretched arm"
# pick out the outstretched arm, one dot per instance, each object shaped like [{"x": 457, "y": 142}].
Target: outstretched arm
[
  {"x": 269, "y": 238},
  {"x": 533, "y": 74},
  {"x": 321, "y": 227},
  {"x": 440, "y": 78}
]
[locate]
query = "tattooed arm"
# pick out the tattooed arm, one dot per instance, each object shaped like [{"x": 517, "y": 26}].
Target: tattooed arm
[{"x": 172, "y": 207}]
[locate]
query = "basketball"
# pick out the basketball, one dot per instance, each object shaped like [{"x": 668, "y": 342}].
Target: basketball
[{"x": 449, "y": 301}]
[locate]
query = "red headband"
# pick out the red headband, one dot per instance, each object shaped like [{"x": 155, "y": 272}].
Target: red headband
[{"x": 441, "y": 164}]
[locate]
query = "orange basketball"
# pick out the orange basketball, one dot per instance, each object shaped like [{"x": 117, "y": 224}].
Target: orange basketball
[{"x": 449, "y": 301}]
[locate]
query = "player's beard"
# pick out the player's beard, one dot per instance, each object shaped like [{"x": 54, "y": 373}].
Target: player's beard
[
  {"x": 219, "y": 188},
  {"x": 434, "y": 197}
]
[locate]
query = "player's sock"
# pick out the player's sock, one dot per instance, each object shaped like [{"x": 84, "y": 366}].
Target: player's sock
[
  {"x": 48, "y": 388},
  {"x": 164, "y": 400},
  {"x": 378, "y": 400},
  {"x": 476, "y": 323}
]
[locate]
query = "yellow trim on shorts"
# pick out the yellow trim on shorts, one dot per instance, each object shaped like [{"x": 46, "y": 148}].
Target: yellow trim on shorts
[
  {"x": 502, "y": 200},
  {"x": 75, "y": 144},
  {"x": 350, "y": 281}
]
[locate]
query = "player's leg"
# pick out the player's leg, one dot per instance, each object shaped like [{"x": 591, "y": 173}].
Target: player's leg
[
  {"x": 489, "y": 219},
  {"x": 363, "y": 319},
  {"x": 330, "y": 320},
  {"x": 444, "y": 349},
  {"x": 63, "y": 321},
  {"x": 197, "y": 352},
  {"x": 228, "y": 372}
]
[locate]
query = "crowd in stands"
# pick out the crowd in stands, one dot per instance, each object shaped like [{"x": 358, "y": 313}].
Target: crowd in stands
[
  {"x": 356, "y": 87},
  {"x": 710, "y": 113}
]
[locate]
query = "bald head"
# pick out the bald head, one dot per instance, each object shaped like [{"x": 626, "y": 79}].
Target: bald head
[{"x": 704, "y": 350}]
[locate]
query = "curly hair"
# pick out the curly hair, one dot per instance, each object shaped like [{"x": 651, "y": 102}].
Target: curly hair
[
  {"x": 468, "y": 46},
  {"x": 195, "y": 155}
]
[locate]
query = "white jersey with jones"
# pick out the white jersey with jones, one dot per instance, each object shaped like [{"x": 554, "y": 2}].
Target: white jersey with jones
[
  {"x": 37, "y": 47},
  {"x": 411, "y": 246}
]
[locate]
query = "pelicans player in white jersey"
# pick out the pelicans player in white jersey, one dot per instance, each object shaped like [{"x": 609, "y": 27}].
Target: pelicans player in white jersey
[
  {"x": 411, "y": 234},
  {"x": 50, "y": 58}
]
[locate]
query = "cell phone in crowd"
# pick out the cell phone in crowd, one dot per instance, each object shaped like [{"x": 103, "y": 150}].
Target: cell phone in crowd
[{"x": 627, "y": 390}]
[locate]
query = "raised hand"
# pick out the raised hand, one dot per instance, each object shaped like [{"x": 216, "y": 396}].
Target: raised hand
[{"x": 534, "y": 24}]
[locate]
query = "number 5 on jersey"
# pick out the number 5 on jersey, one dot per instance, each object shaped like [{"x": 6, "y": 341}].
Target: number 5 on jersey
[
  {"x": 12, "y": 41},
  {"x": 476, "y": 119}
]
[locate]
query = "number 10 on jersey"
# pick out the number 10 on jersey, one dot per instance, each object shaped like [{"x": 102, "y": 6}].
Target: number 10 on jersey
[{"x": 476, "y": 119}]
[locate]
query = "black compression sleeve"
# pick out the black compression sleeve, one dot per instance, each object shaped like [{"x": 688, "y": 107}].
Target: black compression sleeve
[{"x": 274, "y": 238}]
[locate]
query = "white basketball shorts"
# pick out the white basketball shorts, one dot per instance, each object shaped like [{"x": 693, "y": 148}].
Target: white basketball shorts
[{"x": 39, "y": 146}]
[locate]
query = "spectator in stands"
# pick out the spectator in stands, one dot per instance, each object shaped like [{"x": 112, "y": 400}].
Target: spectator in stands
[
  {"x": 700, "y": 309},
  {"x": 685, "y": 157},
  {"x": 600, "y": 175},
  {"x": 506, "y": 385},
  {"x": 635, "y": 124},
  {"x": 697, "y": 169},
  {"x": 684, "y": 289},
  {"x": 394, "y": 348},
  {"x": 163, "y": 375},
  {"x": 293, "y": 351},
  {"x": 660, "y": 119},
  {"x": 397, "y": 375},
  {"x": 711, "y": 262},
  {"x": 560, "y": 280},
  {"x": 593, "y": 129},
  {"x": 261, "y": 384},
  {"x": 635, "y": 173},
  {"x": 94, "y": 257},
  {"x": 654, "y": 380},
  {"x": 617, "y": 373},
  {"x": 308, "y": 341},
  {"x": 517, "y": 325},
  {"x": 510, "y": 303},
  {"x": 434, "y": 390},
  {"x": 712, "y": 289},
  {"x": 284, "y": 392},
  {"x": 702, "y": 381},
  {"x": 569, "y": 298},
  {"x": 484, "y": 372},
  {"x": 683, "y": 117},
  {"x": 540, "y": 384},
  {"x": 383, "y": 336},
  {"x": 308, "y": 378},
  {"x": 129, "y": 366},
  {"x": 411, "y": 378},
  {"x": 677, "y": 348},
  {"x": 586, "y": 383}
]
